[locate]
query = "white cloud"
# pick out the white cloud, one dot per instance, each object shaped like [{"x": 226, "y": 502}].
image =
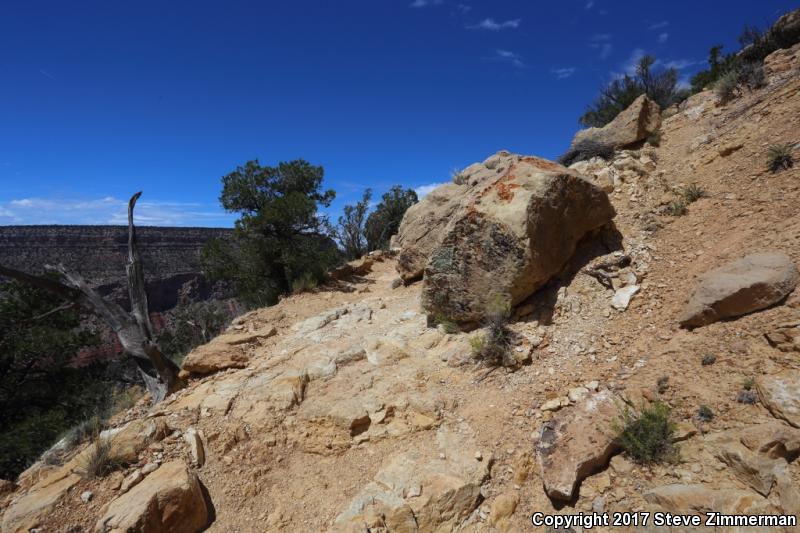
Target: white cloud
[
  {"x": 425, "y": 3},
  {"x": 678, "y": 64},
  {"x": 464, "y": 8},
  {"x": 662, "y": 37},
  {"x": 492, "y": 25},
  {"x": 659, "y": 25},
  {"x": 507, "y": 56},
  {"x": 424, "y": 190},
  {"x": 563, "y": 72},
  {"x": 110, "y": 210},
  {"x": 589, "y": 4},
  {"x": 602, "y": 42}
]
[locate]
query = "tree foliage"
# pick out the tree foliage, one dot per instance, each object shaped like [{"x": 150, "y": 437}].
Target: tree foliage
[
  {"x": 42, "y": 391},
  {"x": 350, "y": 232},
  {"x": 385, "y": 220},
  {"x": 618, "y": 94},
  {"x": 279, "y": 237}
]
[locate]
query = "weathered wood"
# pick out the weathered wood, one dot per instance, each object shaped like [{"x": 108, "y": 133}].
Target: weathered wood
[{"x": 135, "y": 333}]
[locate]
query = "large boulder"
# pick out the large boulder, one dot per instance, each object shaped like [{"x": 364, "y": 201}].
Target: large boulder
[
  {"x": 749, "y": 284},
  {"x": 510, "y": 227},
  {"x": 780, "y": 394},
  {"x": 631, "y": 126},
  {"x": 169, "y": 499}
]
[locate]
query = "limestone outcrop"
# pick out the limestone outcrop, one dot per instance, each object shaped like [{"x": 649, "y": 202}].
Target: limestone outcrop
[{"x": 633, "y": 125}]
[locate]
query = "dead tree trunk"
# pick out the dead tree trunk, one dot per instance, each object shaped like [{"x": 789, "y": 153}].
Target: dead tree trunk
[{"x": 135, "y": 333}]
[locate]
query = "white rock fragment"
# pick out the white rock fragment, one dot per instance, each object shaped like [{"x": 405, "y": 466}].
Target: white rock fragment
[{"x": 622, "y": 297}]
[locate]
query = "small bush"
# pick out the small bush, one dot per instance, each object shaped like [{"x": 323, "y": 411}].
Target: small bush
[
  {"x": 751, "y": 75},
  {"x": 99, "y": 462},
  {"x": 305, "y": 283},
  {"x": 779, "y": 157},
  {"x": 726, "y": 87},
  {"x": 693, "y": 192},
  {"x": 676, "y": 207},
  {"x": 662, "y": 384},
  {"x": 705, "y": 414},
  {"x": 646, "y": 434},
  {"x": 493, "y": 348},
  {"x": 458, "y": 177},
  {"x": 586, "y": 150},
  {"x": 749, "y": 383},
  {"x": 747, "y": 397},
  {"x": 654, "y": 138},
  {"x": 709, "y": 359},
  {"x": 446, "y": 324}
]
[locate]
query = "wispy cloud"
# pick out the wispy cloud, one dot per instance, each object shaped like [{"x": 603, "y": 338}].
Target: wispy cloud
[
  {"x": 492, "y": 25},
  {"x": 110, "y": 210},
  {"x": 602, "y": 43},
  {"x": 464, "y": 8},
  {"x": 425, "y": 3},
  {"x": 424, "y": 190},
  {"x": 563, "y": 72},
  {"x": 659, "y": 25},
  {"x": 662, "y": 37},
  {"x": 46, "y": 74},
  {"x": 507, "y": 56},
  {"x": 589, "y": 4}
]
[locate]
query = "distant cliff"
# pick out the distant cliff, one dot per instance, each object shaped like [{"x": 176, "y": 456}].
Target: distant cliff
[{"x": 170, "y": 256}]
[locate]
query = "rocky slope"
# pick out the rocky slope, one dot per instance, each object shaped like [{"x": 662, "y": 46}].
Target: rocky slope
[{"x": 342, "y": 410}]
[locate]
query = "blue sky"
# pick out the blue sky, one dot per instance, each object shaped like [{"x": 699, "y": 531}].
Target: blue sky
[{"x": 101, "y": 99}]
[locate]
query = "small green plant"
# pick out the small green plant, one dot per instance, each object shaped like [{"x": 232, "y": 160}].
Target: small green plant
[
  {"x": 662, "y": 384},
  {"x": 676, "y": 207},
  {"x": 726, "y": 86},
  {"x": 693, "y": 192},
  {"x": 751, "y": 75},
  {"x": 458, "y": 177},
  {"x": 705, "y": 414},
  {"x": 708, "y": 359},
  {"x": 494, "y": 347},
  {"x": 646, "y": 434},
  {"x": 779, "y": 157},
  {"x": 447, "y": 325},
  {"x": 748, "y": 383},
  {"x": 654, "y": 138},
  {"x": 305, "y": 283},
  {"x": 585, "y": 150}
]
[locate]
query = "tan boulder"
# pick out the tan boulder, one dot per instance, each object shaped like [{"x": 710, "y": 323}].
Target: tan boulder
[
  {"x": 634, "y": 124},
  {"x": 781, "y": 395},
  {"x": 578, "y": 441},
  {"x": 213, "y": 357},
  {"x": 359, "y": 267},
  {"x": 751, "y": 283},
  {"x": 28, "y": 510},
  {"x": 169, "y": 499},
  {"x": 516, "y": 224},
  {"x": 128, "y": 441},
  {"x": 698, "y": 499}
]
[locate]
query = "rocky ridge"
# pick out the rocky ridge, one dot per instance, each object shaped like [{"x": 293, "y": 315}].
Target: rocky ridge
[{"x": 343, "y": 410}]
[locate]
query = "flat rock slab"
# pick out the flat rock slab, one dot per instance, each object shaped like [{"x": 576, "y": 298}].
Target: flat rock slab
[
  {"x": 781, "y": 395},
  {"x": 169, "y": 499},
  {"x": 213, "y": 357},
  {"x": 748, "y": 284},
  {"x": 696, "y": 499},
  {"x": 576, "y": 443}
]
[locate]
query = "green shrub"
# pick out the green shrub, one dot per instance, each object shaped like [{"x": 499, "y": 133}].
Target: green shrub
[
  {"x": 493, "y": 348},
  {"x": 705, "y": 414},
  {"x": 586, "y": 150},
  {"x": 646, "y": 434},
  {"x": 676, "y": 207},
  {"x": 726, "y": 86},
  {"x": 751, "y": 75},
  {"x": 693, "y": 192},
  {"x": 748, "y": 383},
  {"x": 446, "y": 324},
  {"x": 779, "y": 157}
]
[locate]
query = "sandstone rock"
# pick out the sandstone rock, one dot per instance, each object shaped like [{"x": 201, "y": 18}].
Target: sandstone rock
[
  {"x": 504, "y": 506},
  {"x": 785, "y": 337},
  {"x": 639, "y": 120},
  {"x": 749, "y": 284},
  {"x": 213, "y": 357},
  {"x": 170, "y": 499},
  {"x": 245, "y": 337},
  {"x": 752, "y": 469},
  {"x": 27, "y": 511},
  {"x": 358, "y": 267},
  {"x": 577, "y": 442},
  {"x": 772, "y": 439},
  {"x": 697, "y": 499},
  {"x": 501, "y": 237},
  {"x": 196, "y": 448},
  {"x": 131, "y": 480},
  {"x": 781, "y": 395}
]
